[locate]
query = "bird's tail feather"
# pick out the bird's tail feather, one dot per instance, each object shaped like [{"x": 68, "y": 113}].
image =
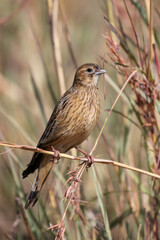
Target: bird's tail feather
[{"x": 43, "y": 172}]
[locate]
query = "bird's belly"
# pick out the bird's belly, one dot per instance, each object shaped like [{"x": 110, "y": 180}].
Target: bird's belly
[
  {"x": 71, "y": 142},
  {"x": 79, "y": 130}
]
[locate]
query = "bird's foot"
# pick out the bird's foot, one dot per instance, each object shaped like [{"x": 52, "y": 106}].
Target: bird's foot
[
  {"x": 56, "y": 156},
  {"x": 90, "y": 160},
  {"x": 88, "y": 156}
]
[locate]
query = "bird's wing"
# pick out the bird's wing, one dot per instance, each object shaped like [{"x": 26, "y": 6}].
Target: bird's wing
[{"x": 50, "y": 134}]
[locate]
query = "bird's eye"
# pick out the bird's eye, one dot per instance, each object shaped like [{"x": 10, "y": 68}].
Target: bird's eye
[{"x": 89, "y": 70}]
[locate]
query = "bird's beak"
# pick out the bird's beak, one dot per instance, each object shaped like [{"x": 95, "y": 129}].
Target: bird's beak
[{"x": 101, "y": 71}]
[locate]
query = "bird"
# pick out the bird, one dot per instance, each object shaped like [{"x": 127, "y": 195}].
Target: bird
[{"x": 71, "y": 122}]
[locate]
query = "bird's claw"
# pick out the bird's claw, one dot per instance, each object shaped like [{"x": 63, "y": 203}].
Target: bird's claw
[
  {"x": 56, "y": 156},
  {"x": 88, "y": 156},
  {"x": 90, "y": 160}
]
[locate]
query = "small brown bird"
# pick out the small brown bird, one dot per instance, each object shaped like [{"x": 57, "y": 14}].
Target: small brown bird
[{"x": 71, "y": 122}]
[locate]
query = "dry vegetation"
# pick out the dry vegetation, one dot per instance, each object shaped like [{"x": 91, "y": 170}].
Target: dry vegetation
[{"x": 42, "y": 43}]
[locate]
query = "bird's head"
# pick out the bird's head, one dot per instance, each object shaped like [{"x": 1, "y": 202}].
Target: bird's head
[{"x": 88, "y": 74}]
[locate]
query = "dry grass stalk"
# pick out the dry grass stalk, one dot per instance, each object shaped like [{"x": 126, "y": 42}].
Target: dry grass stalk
[{"x": 96, "y": 160}]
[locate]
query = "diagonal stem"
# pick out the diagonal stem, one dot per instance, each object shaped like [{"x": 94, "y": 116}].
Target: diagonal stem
[{"x": 97, "y": 140}]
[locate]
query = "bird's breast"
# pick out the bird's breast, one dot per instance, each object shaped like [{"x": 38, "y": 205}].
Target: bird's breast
[
  {"x": 84, "y": 115},
  {"x": 76, "y": 120}
]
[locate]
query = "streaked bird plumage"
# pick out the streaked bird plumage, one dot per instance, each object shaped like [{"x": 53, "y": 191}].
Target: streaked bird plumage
[{"x": 71, "y": 122}]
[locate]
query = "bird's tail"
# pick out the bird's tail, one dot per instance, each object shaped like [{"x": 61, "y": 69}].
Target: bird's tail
[{"x": 44, "y": 169}]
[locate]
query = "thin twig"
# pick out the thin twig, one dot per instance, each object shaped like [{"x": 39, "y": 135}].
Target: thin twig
[
  {"x": 123, "y": 115},
  {"x": 120, "y": 92},
  {"x": 74, "y": 185},
  {"x": 56, "y": 46},
  {"x": 96, "y": 160}
]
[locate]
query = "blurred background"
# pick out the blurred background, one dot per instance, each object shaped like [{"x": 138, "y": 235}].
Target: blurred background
[{"x": 41, "y": 45}]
